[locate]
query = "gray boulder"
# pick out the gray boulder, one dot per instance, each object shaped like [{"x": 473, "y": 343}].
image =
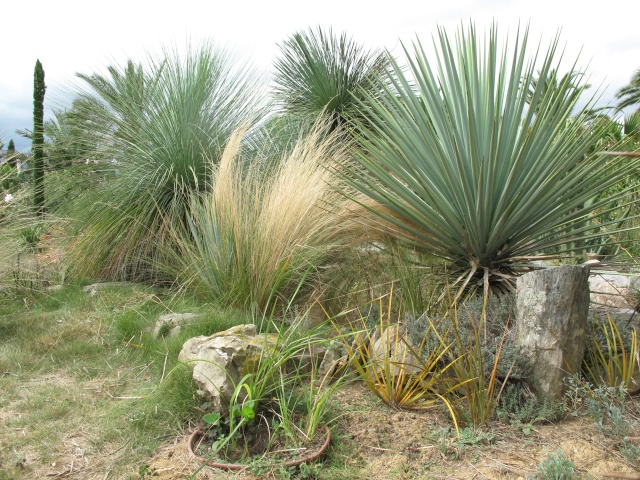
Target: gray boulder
[
  {"x": 614, "y": 290},
  {"x": 170, "y": 324},
  {"x": 551, "y": 325}
]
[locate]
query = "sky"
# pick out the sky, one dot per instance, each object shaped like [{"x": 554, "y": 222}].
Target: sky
[{"x": 71, "y": 36}]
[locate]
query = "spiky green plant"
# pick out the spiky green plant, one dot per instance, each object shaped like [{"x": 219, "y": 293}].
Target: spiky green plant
[
  {"x": 610, "y": 362},
  {"x": 320, "y": 72},
  {"x": 401, "y": 374},
  {"x": 157, "y": 127},
  {"x": 466, "y": 162}
]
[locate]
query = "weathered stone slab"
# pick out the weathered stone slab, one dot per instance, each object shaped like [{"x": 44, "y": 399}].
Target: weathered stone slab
[
  {"x": 171, "y": 323},
  {"x": 551, "y": 325},
  {"x": 614, "y": 290}
]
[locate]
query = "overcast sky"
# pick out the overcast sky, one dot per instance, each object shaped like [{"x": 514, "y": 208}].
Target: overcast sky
[{"x": 70, "y": 36}]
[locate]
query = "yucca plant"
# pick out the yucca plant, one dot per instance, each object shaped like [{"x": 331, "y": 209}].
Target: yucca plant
[
  {"x": 264, "y": 231},
  {"x": 471, "y": 159},
  {"x": 155, "y": 129}
]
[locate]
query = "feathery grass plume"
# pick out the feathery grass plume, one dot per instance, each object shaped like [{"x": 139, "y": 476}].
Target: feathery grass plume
[
  {"x": 155, "y": 127},
  {"x": 259, "y": 232},
  {"x": 469, "y": 163}
]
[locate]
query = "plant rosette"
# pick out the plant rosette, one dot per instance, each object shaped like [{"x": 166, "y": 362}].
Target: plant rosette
[{"x": 263, "y": 443}]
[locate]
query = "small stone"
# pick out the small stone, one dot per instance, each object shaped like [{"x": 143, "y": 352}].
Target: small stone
[{"x": 170, "y": 324}]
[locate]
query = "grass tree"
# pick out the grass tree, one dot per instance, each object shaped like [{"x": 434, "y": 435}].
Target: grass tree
[
  {"x": 465, "y": 161},
  {"x": 156, "y": 128},
  {"x": 318, "y": 71}
]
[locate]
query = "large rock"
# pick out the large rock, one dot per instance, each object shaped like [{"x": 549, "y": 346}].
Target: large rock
[
  {"x": 551, "y": 325},
  {"x": 614, "y": 290},
  {"x": 220, "y": 361},
  {"x": 392, "y": 346},
  {"x": 170, "y": 324}
]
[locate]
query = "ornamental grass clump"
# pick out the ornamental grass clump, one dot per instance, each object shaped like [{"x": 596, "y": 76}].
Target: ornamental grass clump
[
  {"x": 263, "y": 231},
  {"x": 470, "y": 155},
  {"x": 609, "y": 360}
]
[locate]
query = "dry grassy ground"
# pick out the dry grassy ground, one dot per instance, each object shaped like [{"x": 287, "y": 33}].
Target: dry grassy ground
[
  {"x": 77, "y": 401},
  {"x": 373, "y": 442}
]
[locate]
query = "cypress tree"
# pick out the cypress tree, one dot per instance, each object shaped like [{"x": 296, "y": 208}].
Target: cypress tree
[
  {"x": 38, "y": 138},
  {"x": 11, "y": 153}
]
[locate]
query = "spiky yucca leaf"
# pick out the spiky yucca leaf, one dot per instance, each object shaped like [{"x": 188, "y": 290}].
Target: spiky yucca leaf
[{"x": 466, "y": 162}]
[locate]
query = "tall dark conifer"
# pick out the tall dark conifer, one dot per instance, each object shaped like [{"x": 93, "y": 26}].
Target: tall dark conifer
[
  {"x": 11, "y": 153},
  {"x": 38, "y": 138}
]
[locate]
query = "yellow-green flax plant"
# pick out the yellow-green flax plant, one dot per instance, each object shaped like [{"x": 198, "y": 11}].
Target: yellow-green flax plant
[
  {"x": 481, "y": 389},
  {"x": 609, "y": 360},
  {"x": 264, "y": 228},
  {"x": 403, "y": 375}
]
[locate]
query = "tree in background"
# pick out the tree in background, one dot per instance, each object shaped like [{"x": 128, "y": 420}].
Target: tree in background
[
  {"x": 38, "y": 138},
  {"x": 630, "y": 95}
]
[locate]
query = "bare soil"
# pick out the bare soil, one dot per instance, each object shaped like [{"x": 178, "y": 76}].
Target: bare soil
[{"x": 374, "y": 442}]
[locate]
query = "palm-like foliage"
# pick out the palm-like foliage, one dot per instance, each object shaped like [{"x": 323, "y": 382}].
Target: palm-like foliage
[
  {"x": 320, "y": 72},
  {"x": 630, "y": 95},
  {"x": 468, "y": 165},
  {"x": 570, "y": 85},
  {"x": 161, "y": 124}
]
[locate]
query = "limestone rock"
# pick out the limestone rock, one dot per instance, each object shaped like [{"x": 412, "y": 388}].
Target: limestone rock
[
  {"x": 394, "y": 345},
  {"x": 307, "y": 360},
  {"x": 614, "y": 290},
  {"x": 221, "y": 360},
  {"x": 171, "y": 323},
  {"x": 334, "y": 360},
  {"x": 551, "y": 325}
]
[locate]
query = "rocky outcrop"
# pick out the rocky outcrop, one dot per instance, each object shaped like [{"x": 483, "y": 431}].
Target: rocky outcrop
[{"x": 551, "y": 325}]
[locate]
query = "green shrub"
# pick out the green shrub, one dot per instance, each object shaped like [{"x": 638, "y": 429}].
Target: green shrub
[
  {"x": 557, "y": 467},
  {"x": 159, "y": 125}
]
